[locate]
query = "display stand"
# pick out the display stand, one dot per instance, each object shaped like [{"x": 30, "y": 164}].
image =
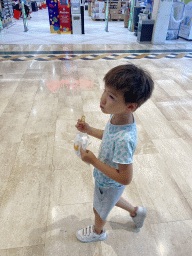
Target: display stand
[
  {"x": 6, "y": 9},
  {"x": 64, "y": 16},
  {"x": 59, "y": 16},
  {"x": 53, "y": 16},
  {"x": 177, "y": 16},
  {"x": 76, "y": 17},
  {"x": 186, "y": 25}
]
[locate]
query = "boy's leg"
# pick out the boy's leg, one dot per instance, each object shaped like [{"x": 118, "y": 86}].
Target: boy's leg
[
  {"x": 99, "y": 223},
  {"x": 124, "y": 204}
]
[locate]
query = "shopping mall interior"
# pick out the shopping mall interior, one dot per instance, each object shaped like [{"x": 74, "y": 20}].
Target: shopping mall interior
[{"x": 50, "y": 80}]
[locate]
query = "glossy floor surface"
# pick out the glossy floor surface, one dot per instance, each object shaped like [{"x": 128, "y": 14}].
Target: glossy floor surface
[{"x": 47, "y": 191}]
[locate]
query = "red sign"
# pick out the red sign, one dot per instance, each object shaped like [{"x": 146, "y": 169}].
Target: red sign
[{"x": 65, "y": 19}]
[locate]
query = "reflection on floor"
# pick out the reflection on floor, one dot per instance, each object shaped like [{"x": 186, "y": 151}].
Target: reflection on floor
[{"x": 47, "y": 191}]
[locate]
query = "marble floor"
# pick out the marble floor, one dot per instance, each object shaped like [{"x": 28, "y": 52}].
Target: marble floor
[{"x": 47, "y": 191}]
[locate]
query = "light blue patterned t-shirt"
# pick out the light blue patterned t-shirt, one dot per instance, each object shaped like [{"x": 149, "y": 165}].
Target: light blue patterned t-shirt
[{"x": 118, "y": 146}]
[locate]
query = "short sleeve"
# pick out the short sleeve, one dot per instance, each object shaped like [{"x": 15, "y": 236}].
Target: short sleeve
[{"x": 123, "y": 152}]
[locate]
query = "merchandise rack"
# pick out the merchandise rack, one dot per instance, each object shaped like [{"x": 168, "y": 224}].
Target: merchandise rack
[
  {"x": 113, "y": 5},
  {"x": 6, "y": 10}
]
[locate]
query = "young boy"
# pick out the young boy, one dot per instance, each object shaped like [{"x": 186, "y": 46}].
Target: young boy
[{"x": 127, "y": 87}]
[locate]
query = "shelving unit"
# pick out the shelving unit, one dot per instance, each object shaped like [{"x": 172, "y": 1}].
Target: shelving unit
[
  {"x": 116, "y": 9},
  {"x": 6, "y": 10}
]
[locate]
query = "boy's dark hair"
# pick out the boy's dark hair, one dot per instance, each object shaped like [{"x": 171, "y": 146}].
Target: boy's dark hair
[{"x": 135, "y": 82}]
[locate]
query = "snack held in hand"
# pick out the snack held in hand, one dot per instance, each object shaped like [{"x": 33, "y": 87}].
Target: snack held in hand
[
  {"x": 83, "y": 119},
  {"x": 82, "y": 139}
]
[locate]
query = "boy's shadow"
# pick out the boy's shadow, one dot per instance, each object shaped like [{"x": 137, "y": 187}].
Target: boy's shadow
[
  {"x": 59, "y": 238},
  {"x": 129, "y": 226},
  {"x": 65, "y": 227},
  {"x": 64, "y": 230}
]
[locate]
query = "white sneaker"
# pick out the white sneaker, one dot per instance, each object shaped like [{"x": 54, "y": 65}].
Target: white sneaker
[
  {"x": 87, "y": 235},
  {"x": 140, "y": 216}
]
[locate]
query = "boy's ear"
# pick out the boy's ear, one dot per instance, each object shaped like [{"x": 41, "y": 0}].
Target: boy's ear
[
  {"x": 132, "y": 106},
  {"x": 135, "y": 106}
]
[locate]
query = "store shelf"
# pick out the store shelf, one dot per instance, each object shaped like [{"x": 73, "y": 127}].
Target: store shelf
[
  {"x": 116, "y": 10},
  {"x": 6, "y": 11}
]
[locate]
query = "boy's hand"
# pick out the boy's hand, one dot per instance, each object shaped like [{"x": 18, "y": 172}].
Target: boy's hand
[
  {"x": 87, "y": 156},
  {"x": 83, "y": 127}
]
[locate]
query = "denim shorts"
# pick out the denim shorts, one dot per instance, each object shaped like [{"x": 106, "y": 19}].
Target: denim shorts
[{"x": 105, "y": 199}]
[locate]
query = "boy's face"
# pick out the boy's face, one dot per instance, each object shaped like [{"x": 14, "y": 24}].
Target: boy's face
[{"x": 113, "y": 102}]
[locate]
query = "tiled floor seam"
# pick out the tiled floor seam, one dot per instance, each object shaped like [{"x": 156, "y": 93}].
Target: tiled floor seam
[{"x": 48, "y": 57}]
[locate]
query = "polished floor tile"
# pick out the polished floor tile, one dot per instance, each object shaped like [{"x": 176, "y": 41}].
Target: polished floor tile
[
  {"x": 47, "y": 190},
  {"x": 170, "y": 241},
  {"x": 37, "y": 250},
  {"x": 64, "y": 221}
]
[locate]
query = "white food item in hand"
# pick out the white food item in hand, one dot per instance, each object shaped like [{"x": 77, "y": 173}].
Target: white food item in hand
[{"x": 82, "y": 139}]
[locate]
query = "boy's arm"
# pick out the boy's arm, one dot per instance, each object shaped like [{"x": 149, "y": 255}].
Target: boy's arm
[
  {"x": 122, "y": 176},
  {"x": 96, "y": 133}
]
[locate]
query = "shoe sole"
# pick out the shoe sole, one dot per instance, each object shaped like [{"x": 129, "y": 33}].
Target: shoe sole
[{"x": 100, "y": 239}]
